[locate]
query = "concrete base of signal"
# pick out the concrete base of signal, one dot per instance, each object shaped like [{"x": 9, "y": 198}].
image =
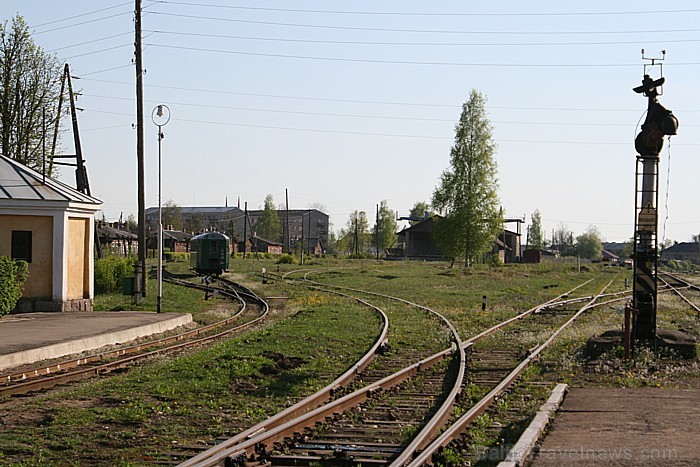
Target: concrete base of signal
[{"x": 667, "y": 341}]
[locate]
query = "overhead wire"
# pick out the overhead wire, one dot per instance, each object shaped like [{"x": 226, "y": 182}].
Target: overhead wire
[
  {"x": 412, "y": 44},
  {"x": 668, "y": 188},
  {"x": 365, "y": 116},
  {"x": 419, "y": 31},
  {"x": 357, "y": 101},
  {"x": 450, "y": 14},
  {"x": 410, "y": 62},
  {"x": 81, "y": 15}
]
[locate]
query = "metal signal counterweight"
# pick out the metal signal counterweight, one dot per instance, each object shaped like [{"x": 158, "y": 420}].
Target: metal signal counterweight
[{"x": 659, "y": 122}]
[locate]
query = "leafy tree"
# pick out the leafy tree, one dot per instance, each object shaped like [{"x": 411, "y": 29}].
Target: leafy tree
[
  {"x": 419, "y": 209},
  {"x": 589, "y": 245},
  {"x": 355, "y": 237},
  {"x": 172, "y": 215},
  {"x": 132, "y": 224},
  {"x": 29, "y": 87},
  {"x": 563, "y": 240},
  {"x": 268, "y": 225},
  {"x": 387, "y": 226},
  {"x": 468, "y": 191},
  {"x": 695, "y": 238},
  {"x": 535, "y": 234}
]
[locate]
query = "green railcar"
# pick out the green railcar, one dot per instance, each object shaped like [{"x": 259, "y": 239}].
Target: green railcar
[{"x": 210, "y": 253}]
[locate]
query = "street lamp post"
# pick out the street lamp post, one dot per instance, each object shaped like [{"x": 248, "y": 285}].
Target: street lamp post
[{"x": 160, "y": 116}]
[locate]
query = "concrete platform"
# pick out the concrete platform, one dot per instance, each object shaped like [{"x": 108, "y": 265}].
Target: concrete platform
[
  {"x": 612, "y": 426},
  {"x": 31, "y": 337}
]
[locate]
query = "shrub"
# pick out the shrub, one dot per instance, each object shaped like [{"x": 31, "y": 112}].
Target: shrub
[
  {"x": 171, "y": 256},
  {"x": 287, "y": 259},
  {"x": 13, "y": 274},
  {"x": 110, "y": 272}
]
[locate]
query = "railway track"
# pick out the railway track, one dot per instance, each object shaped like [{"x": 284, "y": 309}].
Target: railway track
[
  {"x": 66, "y": 370},
  {"x": 386, "y": 422},
  {"x": 456, "y": 436},
  {"x": 675, "y": 284},
  {"x": 340, "y": 395}
]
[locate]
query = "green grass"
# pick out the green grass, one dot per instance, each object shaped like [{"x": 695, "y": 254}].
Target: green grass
[
  {"x": 309, "y": 338},
  {"x": 201, "y": 395}
]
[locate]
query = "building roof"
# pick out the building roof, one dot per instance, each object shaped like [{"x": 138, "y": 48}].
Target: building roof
[
  {"x": 198, "y": 209},
  {"x": 18, "y": 182},
  {"x": 177, "y": 235},
  {"x": 255, "y": 238},
  {"x": 683, "y": 247},
  {"x": 609, "y": 255},
  {"x": 110, "y": 233}
]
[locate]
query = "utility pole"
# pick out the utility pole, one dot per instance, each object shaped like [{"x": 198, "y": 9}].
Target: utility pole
[
  {"x": 377, "y": 224},
  {"x": 245, "y": 230},
  {"x": 140, "y": 285},
  {"x": 308, "y": 241},
  {"x": 357, "y": 239},
  {"x": 301, "y": 245},
  {"x": 287, "y": 237}
]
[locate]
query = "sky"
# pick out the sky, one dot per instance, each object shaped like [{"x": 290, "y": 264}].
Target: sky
[{"x": 347, "y": 104}]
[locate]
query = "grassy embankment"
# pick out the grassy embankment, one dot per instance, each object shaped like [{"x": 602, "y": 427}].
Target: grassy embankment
[{"x": 310, "y": 338}]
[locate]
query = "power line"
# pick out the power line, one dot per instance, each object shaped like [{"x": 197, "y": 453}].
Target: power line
[
  {"x": 82, "y": 23},
  {"x": 404, "y": 13},
  {"x": 425, "y": 44},
  {"x": 107, "y": 49},
  {"x": 81, "y": 15},
  {"x": 91, "y": 41},
  {"x": 83, "y": 75},
  {"x": 355, "y": 101},
  {"x": 421, "y": 31},
  {"x": 409, "y": 62},
  {"x": 359, "y": 133},
  {"x": 365, "y": 116}
]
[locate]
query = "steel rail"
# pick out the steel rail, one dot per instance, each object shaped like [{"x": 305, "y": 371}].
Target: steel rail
[
  {"x": 688, "y": 284},
  {"x": 262, "y": 430},
  {"x": 319, "y": 414},
  {"x": 676, "y": 290},
  {"x": 431, "y": 429},
  {"x": 56, "y": 379},
  {"x": 480, "y": 407},
  {"x": 74, "y": 363},
  {"x": 261, "y": 434}
]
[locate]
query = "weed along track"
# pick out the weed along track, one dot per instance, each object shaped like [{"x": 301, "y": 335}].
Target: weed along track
[
  {"x": 394, "y": 411},
  {"x": 496, "y": 365},
  {"x": 374, "y": 381},
  {"x": 252, "y": 310},
  {"x": 674, "y": 284}
]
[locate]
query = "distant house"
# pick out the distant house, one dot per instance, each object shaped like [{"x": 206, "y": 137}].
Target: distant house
[
  {"x": 616, "y": 248},
  {"x": 311, "y": 225},
  {"x": 261, "y": 245},
  {"x": 116, "y": 241},
  {"x": 684, "y": 251},
  {"x": 537, "y": 256},
  {"x": 416, "y": 242},
  {"x": 176, "y": 241},
  {"x": 512, "y": 245},
  {"x": 51, "y": 226},
  {"x": 610, "y": 259}
]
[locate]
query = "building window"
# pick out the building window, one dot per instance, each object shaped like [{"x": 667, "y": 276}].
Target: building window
[{"x": 22, "y": 245}]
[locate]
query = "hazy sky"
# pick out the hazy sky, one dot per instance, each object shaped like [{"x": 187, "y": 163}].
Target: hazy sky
[{"x": 347, "y": 104}]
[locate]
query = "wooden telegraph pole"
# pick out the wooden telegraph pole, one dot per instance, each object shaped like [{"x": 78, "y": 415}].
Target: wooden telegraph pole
[{"x": 140, "y": 273}]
